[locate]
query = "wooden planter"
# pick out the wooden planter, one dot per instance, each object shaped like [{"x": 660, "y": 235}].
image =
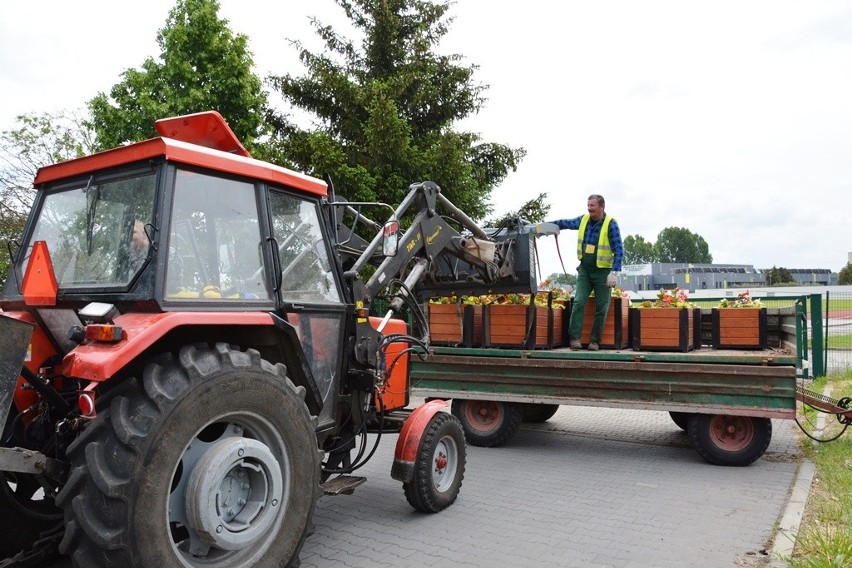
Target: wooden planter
[
  {"x": 615, "y": 332},
  {"x": 455, "y": 324},
  {"x": 739, "y": 328},
  {"x": 662, "y": 329},
  {"x": 522, "y": 326}
]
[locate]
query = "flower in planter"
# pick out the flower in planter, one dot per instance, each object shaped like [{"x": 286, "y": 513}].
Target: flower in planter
[
  {"x": 744, "y": 300},
  {"x": 669, "y": 298},
  {"x": 467, "y": 300},
  {"x": 615, "y": 293}
]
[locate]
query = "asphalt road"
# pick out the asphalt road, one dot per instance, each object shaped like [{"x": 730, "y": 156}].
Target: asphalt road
[{"x": 592, "y": 487}]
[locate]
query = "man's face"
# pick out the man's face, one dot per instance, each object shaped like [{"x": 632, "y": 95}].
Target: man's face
[{"x": 595, "y": 210}]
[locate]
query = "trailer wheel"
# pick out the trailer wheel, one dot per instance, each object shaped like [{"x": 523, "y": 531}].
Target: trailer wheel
[
  {"x": 729, "y": 440},
  {"x": 538, "y": 413},
  {"x": 488, "y": 423},
  {"x": 681, "y": 419},
  {"x": 209, "y": 460},
  {"x": 439, "y": 467}
]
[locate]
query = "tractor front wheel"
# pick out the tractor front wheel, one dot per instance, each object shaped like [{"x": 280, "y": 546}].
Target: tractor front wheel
[
  {"x": 439, "y": 465},
  {"x": 28, "y": 515},
  {"x": 209, "y": 460}
]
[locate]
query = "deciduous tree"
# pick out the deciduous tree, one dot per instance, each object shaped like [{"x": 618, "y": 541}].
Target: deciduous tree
[
  {"x": 637, "y": 250},
  {"x": 676, "y": 244},
  {"x": 37, "y": 140},
  {"x": 203, "y": 66},
  {"x": 845, "y": 276}
]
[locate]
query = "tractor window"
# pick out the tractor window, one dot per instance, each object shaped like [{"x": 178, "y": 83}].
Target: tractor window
[
  {"x": 95, "y": 231},
  {"x": 306, "y": 273},
  {"x": 214, "y": 250}
]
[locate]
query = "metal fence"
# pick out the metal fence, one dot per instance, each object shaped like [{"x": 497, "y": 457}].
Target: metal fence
[{"x": 837, "y": 328}]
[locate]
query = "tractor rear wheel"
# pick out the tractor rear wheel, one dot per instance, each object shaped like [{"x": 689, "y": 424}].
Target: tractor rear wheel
[
  {"x": 439, "y": 466},
  {"x": 209, "y": 460},
  {"x": 488, "y": 423}
]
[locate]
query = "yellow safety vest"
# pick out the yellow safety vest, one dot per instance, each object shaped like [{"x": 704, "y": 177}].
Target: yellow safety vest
[{"x": 605, "y": 258}]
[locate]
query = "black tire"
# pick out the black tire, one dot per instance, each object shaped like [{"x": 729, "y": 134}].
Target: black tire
[
  {"x": 538, "y": 413},
  {"x": 27, "y": 513},
  {"x": 488, "y": 423},
  {"x": 681, "y": 419},
  {"x": 213, "y": 421},
  {"x": 729, "y": 440},
  {"x": 439, "y": 466}
]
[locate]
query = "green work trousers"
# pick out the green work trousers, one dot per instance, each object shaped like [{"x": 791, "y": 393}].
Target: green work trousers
[{"x": 590, "y": 278}]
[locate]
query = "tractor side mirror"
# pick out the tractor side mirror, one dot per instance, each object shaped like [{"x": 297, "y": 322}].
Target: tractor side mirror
[{"x": 390, "y": 242}]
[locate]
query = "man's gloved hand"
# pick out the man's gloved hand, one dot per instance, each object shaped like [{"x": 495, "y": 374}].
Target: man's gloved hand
[{"x": 611, "y": 279}]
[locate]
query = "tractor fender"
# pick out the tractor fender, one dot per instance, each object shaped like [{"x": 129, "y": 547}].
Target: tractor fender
[
  {"x": 409, "y": 438},
  {"x": 98, "y": 361}
]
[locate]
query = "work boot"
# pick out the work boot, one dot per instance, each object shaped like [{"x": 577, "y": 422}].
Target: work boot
[
  {"x": 576, "y": 345},
  {"x": 593, "y": 346}
]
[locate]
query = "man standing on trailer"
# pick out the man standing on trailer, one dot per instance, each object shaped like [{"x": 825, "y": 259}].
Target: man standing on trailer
[{"x": 600, "y": 252}]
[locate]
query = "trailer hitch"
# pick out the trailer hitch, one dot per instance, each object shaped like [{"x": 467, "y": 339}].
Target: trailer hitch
[{"x": 822, "y": 403}]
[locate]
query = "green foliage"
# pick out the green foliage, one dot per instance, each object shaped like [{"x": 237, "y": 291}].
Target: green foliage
[
  {"x": 637, "y": 250},
  {"x": 203, "y": 66},
  {"x": 825, "y": 538},
  {"x": 38, "y": 140},
  {"x": 845, "y": 276},
  {"x": 676, "y": 244},
  {"x": 533, "y": 211},
  {"x": 561, "y": 279},
  {"x": 383, "y": 111},
  {"x": 780, "y": 277}
]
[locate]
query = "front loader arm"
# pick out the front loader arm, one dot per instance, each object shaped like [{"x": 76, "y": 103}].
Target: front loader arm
[
  {"x": 435, "y": 257},
  {"x": 432, "y": 257}
]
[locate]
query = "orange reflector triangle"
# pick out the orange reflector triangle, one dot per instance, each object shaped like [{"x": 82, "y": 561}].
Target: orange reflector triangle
[{"x": 40, "y": 285}]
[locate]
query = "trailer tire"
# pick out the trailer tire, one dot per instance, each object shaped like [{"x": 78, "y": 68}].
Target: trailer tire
[
  {"x": 729, "y": 440},
  {"x": 488, "y": 423},
  {"x": 538, "y": 413},
  {"x": 210, "y": 460},
  {"x": 681, "y": 419},
  {"x": 439, "y": 466}
]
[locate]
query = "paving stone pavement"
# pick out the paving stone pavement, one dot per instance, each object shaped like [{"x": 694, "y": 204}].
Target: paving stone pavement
[{"x": 592, "y": 487}]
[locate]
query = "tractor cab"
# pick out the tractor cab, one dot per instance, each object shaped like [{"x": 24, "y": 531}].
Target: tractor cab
[{"x": 188, "y": 223}]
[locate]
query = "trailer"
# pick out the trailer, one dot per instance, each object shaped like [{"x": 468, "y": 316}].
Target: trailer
[{"x": 724, "y": 399}]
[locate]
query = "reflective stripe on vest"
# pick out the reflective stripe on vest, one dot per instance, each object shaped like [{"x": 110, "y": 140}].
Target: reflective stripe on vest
[{"x": 604, "y": 255}]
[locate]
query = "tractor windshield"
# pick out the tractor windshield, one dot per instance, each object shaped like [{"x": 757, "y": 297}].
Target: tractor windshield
[{"x": 95, "y": 230}]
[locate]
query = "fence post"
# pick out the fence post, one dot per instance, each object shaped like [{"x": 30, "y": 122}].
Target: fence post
[{"x": 817, "y": 338}]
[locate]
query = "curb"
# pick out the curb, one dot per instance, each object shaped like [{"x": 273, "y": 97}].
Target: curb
[{"x": 788, "y": 527}]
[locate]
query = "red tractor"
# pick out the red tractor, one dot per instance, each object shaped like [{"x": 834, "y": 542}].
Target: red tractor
[{"x": 189, "y": 358}]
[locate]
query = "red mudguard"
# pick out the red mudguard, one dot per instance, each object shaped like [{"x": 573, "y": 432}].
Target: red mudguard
[{"x": 409, "y": 439}]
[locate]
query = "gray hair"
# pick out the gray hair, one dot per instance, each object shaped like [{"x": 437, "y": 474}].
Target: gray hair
[{"x": 599, "y": 199}]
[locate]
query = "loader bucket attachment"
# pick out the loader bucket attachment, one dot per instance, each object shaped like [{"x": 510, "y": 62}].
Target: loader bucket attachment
[{"x": 14, "y": 342}]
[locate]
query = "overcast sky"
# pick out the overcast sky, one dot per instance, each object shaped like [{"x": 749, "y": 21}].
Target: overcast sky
[{"x": 731, "y": 119}]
